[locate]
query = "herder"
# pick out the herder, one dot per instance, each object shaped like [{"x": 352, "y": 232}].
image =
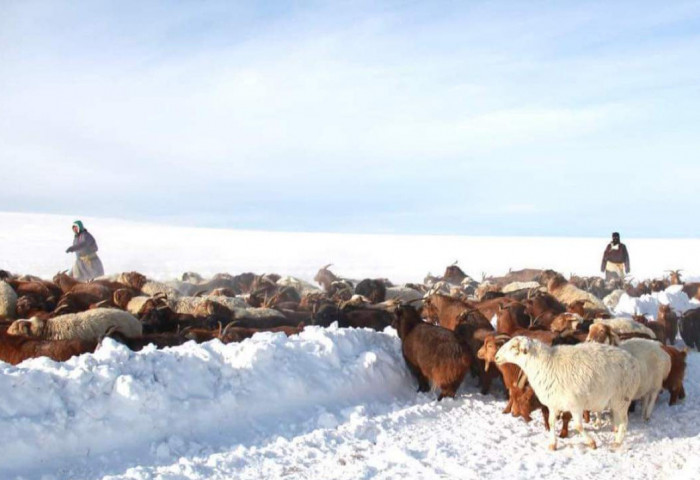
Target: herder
[{"x": 87, "y": 264}]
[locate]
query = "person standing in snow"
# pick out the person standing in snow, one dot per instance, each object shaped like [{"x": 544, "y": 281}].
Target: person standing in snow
[
  {"x": 616, "y": 260},
  {"x": 87, "y": 264}
]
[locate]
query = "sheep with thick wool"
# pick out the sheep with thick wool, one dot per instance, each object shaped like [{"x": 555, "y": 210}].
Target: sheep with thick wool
[
  {"x": 568, "y": 293},
  {"x": 624, "y": 325},
  {"x": 8, "y": 300},
  {"x": 88, "y": 325},
  {"x": 587, "y": 376},
  {"x": 654, "y": 363}
]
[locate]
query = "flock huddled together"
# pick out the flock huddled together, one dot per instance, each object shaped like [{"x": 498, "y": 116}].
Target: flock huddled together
[{"x": 554, "y": 343}]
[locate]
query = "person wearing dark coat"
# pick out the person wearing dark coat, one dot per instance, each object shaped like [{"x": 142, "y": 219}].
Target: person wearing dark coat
[
  {"x": 87, "y": 264},
  {"x": 616, "y": 260}
]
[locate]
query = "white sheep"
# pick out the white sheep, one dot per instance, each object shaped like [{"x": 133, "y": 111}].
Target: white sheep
[
  {"x": 299, "y": 285},
  {"x": 654, "y": 364},
  {"x": 588, "y": 376},
  {"x": 87, "y": 325},
  {"x": 568, "y": 293},
  {"x": 8, "y": 301},
  {"x": 622, "y": 325},
  {"x": 515, "y": 286},
  {"x": 136, "y": 304},
  {"x": 189, "y": 305},
  {"x": 147, "y": 286}
]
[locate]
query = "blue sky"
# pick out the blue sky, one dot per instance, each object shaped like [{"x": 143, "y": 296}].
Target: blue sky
[{"x": 481, "y": 118}]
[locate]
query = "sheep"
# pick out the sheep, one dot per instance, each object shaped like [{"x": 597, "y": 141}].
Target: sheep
[
  {"x": 17, "y": 348},
  {"x": 674, "y": 381},
  {"x": 191, "y": 304},
  {"x": 89, "y": 325},
  {"x": 601, "y": 333},
  {"x": 8, "y": 301},
  {"x": 432, "y": 354},
  {"x": 139, "y": 282},
  {"x": 568, "y": 293},
  {"x": 655, "y": 365},
  {"x": 574, "y": 378},
  {"x": 625, "y": 325},
  {"x": 515, "y": 286},
  {"x": 521, "y": 398},
  {"x": 299, "y": 285}
]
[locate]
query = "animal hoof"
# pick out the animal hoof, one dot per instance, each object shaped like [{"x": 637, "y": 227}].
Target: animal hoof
[
  {"x": 552, "y": 446},
  {"x": 592, "y": 444}
]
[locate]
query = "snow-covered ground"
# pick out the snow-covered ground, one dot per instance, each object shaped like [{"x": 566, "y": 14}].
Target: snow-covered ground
[{"x": 328, "y": 403}]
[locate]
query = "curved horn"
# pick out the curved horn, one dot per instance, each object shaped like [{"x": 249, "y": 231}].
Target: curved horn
[{"x": 232, "y": 324}]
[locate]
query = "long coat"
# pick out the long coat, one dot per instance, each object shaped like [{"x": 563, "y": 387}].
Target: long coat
[{"x": 87, "y": 264}]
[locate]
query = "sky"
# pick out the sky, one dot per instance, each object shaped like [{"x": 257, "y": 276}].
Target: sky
[{"x": 469, "y": 118}]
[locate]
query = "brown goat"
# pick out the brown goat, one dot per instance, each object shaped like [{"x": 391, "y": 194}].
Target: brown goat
[
  {"x": 512, "y": 317},
  {"x": 17, "y": 348},
  {"x": 444, "y": 310},
  {"x": 668, "y": 318},
  {"x": 432, "y": 354},
  {"x": 233, "y": 333},
  {"x": 522, "y": 400},
  {"x": 674, "y": 382}
]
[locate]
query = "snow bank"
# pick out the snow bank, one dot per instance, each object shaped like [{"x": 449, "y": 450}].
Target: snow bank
[
  {"x": 150, "y": 402},
  {"x": 649, "y": 304}
]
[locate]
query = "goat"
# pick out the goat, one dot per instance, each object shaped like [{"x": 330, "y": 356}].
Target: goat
[{"x": 432, "y": 353}]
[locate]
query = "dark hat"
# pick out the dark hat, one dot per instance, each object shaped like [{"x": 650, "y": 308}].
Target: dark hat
[{"x": 616, "y": 235}]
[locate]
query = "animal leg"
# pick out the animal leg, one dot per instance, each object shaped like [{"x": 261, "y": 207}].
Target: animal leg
[
  {"x": 578, "y": 424},
  {"x": 565, "y": 419},
  {"x": 620, "y": 419},
  {"x": 545, "y": 415},
  {"x": 651, "y": 403},
  {"x": 508, "y": 406},
  {"x": 552, "y": 433}
]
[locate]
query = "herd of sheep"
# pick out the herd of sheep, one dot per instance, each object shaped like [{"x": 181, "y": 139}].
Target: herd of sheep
[{"x": 555, "y": 343}]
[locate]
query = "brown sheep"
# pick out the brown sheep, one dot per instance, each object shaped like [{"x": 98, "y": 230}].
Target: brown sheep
[
  {"x": 17, "y": 348},
  {"x": 432, "y": 353},
  {"x": 674, "y": 382}
]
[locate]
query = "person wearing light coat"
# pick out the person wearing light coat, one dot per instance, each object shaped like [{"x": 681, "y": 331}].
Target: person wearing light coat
[{"x": 87, "y": 264}]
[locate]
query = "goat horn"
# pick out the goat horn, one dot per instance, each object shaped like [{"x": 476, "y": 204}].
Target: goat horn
[{"x": 223, "y": 334}]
